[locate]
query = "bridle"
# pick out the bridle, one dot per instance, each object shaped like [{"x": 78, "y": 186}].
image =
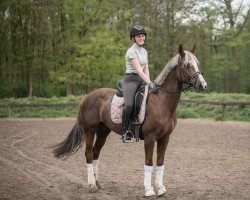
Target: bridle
[{"x": 190, "y": 82}]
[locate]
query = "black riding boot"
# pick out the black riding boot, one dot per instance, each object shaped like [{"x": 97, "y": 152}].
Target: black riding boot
[{"x": 126, "y": 133}]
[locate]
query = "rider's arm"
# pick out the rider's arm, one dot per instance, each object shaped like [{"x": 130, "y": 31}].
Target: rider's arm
[
  {"x": 146, "y": 70},
  {"x": 136, "y": 65}
]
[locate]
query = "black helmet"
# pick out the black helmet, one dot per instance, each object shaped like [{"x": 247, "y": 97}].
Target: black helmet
[{"x": 138, "y": 29}]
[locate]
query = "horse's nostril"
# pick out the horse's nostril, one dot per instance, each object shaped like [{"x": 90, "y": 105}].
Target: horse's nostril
[{"x": 202, "y": 87}]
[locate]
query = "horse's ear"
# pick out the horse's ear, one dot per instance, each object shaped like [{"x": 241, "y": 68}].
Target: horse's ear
[
  {"x": 193, "y": 49},
  {"x": 181, "y": 51}
]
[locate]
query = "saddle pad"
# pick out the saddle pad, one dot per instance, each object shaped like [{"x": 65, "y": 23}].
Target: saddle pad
[{"x": 116, "y": 108}]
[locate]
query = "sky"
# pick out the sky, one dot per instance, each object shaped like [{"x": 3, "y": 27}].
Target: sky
[{"x": 245, "y": 2}]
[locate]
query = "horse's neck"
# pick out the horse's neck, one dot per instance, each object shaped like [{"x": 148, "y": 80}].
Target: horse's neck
[{"x": 171, "y": 84}]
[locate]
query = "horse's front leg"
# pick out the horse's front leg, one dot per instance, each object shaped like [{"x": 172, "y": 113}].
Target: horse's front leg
[
  {"x": 148, "y": 168},
  {"x": 161, "y": 149}
]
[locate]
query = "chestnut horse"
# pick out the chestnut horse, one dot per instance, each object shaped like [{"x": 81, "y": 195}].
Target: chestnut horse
[{"x": 94, "y": 120}]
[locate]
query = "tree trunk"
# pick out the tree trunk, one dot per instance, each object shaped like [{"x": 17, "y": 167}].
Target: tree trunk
[
  {"x": 30, "y": 83},
  {"x": 69, "y": 89},
  {"x": 13, "y": 72},
  {"x": 234, "y": 77}
]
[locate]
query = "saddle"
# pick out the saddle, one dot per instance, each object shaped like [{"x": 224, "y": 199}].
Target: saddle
[{"x": 139, "y": 108}]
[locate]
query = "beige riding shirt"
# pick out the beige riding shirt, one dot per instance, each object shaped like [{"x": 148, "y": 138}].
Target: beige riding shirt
[{"x": 136, "y": 52}]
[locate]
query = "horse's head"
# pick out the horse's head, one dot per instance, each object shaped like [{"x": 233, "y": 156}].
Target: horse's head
[{"x": 189, "y": 73}]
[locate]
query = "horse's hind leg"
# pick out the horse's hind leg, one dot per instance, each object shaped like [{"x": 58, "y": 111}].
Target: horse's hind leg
[
  {"x": 101, "y": 137},
  {"x": 89, "y": 158}
]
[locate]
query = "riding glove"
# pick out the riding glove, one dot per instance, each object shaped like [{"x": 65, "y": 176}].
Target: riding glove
[{"x": 154, "y": 87}]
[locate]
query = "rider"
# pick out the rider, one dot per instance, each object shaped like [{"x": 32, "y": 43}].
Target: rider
[{"x": 137, "y": 73}]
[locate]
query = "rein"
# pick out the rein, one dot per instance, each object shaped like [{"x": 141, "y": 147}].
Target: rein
[{"x": 177, "y": 91}]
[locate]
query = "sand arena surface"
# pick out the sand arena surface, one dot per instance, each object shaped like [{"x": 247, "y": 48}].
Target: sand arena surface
[{"x": 204, "y": 160}]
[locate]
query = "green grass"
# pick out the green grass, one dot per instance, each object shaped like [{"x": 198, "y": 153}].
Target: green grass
[
  {"x": 70, "y": 99},
  {"x": 215, "y": 96},
  {"x": 184, "y": 110},
  {"x": 205, "y": 111},
  {"x": 33, "y": 112},
  {"x": 19, "y": 112}
]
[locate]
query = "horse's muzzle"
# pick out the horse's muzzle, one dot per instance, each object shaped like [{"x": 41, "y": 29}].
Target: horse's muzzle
[{"x": 200, "y": 86}]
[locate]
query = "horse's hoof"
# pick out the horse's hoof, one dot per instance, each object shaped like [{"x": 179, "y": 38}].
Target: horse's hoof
[
  {"x": 98, "y": 185},
  {"x": 93, "y": 188},
  {"x": 150, "y": 194},
  {"x": 161, "y": 191}
]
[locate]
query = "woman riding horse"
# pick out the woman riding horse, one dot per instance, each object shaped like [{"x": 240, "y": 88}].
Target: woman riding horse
[
  {"x": 137, "y": 72},
  {"x": 94, "y": 120}
]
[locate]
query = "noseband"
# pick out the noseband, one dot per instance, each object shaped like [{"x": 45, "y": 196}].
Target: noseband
[
  {"x": 190, "y": 78},
  {"x": 190, "y": 82}
]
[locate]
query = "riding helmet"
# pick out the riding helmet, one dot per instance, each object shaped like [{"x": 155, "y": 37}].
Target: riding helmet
[{"x": 138, "y": 29}]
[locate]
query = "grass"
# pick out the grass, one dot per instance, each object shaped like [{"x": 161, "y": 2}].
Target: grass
[
  {"x": 184, "y": 110},
  {"x": 205, "y": 111},
  {"x": 215, "y": 96},
  {"x": 30, "y": 112},
  {"x": 43, "y": 112}
]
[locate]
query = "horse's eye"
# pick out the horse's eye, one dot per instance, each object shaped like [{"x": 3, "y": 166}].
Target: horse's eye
[{"x": 188, "y": 65}]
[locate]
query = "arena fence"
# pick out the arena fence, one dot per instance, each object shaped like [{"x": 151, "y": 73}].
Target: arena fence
[{"x": 223, "y": 105}]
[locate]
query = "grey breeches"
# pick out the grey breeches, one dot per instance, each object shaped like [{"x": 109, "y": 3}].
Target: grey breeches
[{"x": 130, "y": 85}]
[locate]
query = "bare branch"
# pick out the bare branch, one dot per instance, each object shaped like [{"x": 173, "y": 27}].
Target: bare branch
[
  {"x": 237, "y": 12},
  {"x": 244, "y": 23}
]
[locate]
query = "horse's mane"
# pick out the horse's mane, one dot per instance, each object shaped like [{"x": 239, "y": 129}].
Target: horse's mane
[
  {"x": 167, "y": 69},
  {"x": 170, "y": 66}
]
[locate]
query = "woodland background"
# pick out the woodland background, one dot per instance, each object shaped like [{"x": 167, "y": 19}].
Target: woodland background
[{"x": 70, "y": 47}]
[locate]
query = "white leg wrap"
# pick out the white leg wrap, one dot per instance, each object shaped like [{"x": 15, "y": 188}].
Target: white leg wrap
[
  {"x": 159, "y": 180},
  {"x": 95, "y": 167},
  {"x": 91, "y": 177},
  {"x": 147, "y": 181},
  {"x": 159, "y": 175}
]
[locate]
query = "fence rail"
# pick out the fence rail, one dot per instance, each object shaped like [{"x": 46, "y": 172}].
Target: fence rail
[
  {"x": 216, "y": 102},
  {"x": 32, "y": 105},
  {"x": 223, "y": 104}
]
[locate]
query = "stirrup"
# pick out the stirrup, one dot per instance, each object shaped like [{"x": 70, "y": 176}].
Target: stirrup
[{"x": 128, "y": 137}]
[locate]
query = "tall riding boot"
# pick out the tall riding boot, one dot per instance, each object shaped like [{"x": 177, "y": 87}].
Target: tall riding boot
[{"x": 126, "y": 133}]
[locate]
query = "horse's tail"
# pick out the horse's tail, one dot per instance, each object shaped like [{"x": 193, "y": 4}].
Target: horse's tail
[{"x": 74, "y": 140}]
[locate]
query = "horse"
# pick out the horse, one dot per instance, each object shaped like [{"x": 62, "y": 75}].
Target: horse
[{"x": 94, "y": 124}]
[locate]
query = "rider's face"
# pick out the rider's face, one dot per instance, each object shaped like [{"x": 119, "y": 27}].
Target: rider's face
[{"x": 140, "y": 39}]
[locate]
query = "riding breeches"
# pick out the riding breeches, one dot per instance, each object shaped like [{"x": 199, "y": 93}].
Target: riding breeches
[{"x": 130, "y": 84}]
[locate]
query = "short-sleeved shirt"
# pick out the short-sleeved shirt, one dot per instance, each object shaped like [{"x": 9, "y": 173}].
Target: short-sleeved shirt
[{"x": 136, "y": 52}]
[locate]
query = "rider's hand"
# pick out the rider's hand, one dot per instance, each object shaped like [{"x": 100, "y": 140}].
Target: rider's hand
[{"x": 154, "y": 87}]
